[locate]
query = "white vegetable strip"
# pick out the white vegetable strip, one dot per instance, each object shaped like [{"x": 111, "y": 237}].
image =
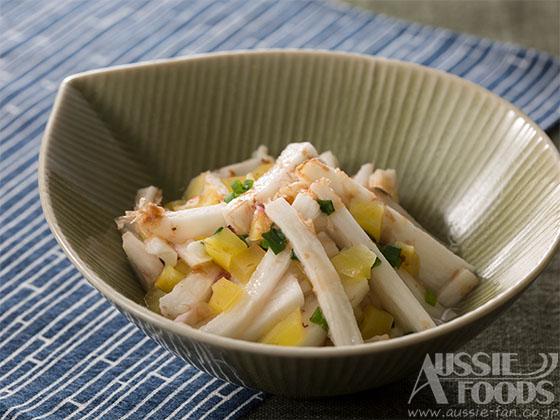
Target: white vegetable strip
[
  {"x": 193, "y": 253},
  {"x": 386, "y": 179},
  {"x": 161, "y": 249},
  {"x": 239, "y": 211},
  {"x": 387, "y": 200},
  {"x": 320, "y": 271},
  {"x": 438, "y": 264},
  {"x": 363, "y": 174},
  {"x": 306, "y": 206},
  {"x": 233, "y": 322},
  {"x": 147, "y": 266},
  {"x": 179, "y": 226},
  {"x": 328, "y": 158},
  {"x": 193, "y": 289},
  {"x": 212, "y": 182},
  {"x": 313, "y": 335},
  {"x": 385, "y": 282},
  {"x": 286, "y": 297},
  {"x": 461, "y": 283},
  {"x": 330, "y": 247},
  {"x": 150, "y": 194},
  {"x": 260, "y": 156},
  {"x": 356, "y": 290},
  {"x": 419, "y": 293}
]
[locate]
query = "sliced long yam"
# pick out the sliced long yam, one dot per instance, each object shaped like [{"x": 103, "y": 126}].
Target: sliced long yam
[
  {"x": 437, "y": 263},
  {"x": 320, "y": 271},
  {"x": 234, "y": 321},
  {"x": 419, "y": 291},
  {"x": 363, "y": 174},
  {"x": 395, "y": 297},
  {"x": 182, "y": 225},
  {"x": 239, "y": 211},
  {"x": 286, "y": 297},
  {"x": 147, "y": 266},
  {"x": 260, "y": 157},
  {"x": 460, "y": 284},
  {"x": 313, "y": 335}
]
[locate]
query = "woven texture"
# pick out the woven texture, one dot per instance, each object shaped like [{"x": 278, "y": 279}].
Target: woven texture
[{"x": 65, "y": 352}]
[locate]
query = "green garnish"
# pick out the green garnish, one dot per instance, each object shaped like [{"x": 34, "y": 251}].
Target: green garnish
[
  {"x": 393, "y": 255},
  {"x": 219, "y": 230},
  {"x": 294, "y": 256},
  {"x": 319, "y": 319},
  {"x": 264, "y": 245},
  {"x": 275, "y": 240},
  {"x": 376, "y": 262},
  {"x": 326, "y": 206},
  {"x": 430, "y": 297},
  {"x": 237, "y": 188}
]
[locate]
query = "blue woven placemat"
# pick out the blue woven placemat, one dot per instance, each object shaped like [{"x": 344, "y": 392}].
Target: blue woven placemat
[{"x": 65, "y": 353}]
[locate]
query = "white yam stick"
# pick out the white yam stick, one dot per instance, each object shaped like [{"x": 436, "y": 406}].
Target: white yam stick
[
  {"x": 386, "y": 179},
  {"x": 437, "y": 263},
  {"x": 161, "y": 249},
  {"x": 328, "y": 158},
  {"x": 286, "y": 297},
  {"x": 150, "y": 194},
  {"x": 193, "y": 253},
  {"x": 259, "y": 157},
  {"x": 193, "y": 289},
  {"x": 147, "y": 266},
  {"x": 306, "y": 206},
  {"x": 313, "y": 335},
  {"x": 362, "y": 176},
  {"x": 239, "y": 211},
  {"x": 385, "y": 282},
  {"x": 462, "y": 282},
  {"x": 234, "y": 321},
  {"x": 320, "y": 271},
  {"x": 181, "y": 225},
  {"x": 330, "y": 246}
]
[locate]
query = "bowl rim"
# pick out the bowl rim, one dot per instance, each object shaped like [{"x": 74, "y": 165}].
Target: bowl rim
[{"x": 141, "y": 312}]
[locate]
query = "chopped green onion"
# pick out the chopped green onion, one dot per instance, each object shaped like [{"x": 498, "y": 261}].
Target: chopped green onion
[
  {"x": 430, "y": 297},
  {"x": 229, "y": 197},
  {"x": 319, "y": 319},
  {"x": 275, "y": 239},
  {"x": 247, "y": 184},
  {"x": 326, "y": 206},
  {"x": 294, "y": 256},
  {"x": 219, "y": 230},
  {"x": 376, "y": 262},
  {"x": 393, "y": 255},
  {"x": 237, "y": 188},
  {"x": 264, "y": 245}
]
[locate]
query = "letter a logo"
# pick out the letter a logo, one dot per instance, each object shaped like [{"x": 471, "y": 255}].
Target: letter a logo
[{"x": 432, "y": 380}]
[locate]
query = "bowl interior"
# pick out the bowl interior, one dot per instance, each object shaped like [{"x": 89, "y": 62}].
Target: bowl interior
[{"x": 472, "y": 169}]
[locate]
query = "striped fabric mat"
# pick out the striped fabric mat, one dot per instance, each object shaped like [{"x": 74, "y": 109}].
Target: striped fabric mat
[{"x": 64, "y": 351}]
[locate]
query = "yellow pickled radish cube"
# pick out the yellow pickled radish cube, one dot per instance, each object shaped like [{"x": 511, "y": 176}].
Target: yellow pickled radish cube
[
  {"x": 260, "y": 171},
  {"x": 243, "y": 265},
  {"x": 168, "y": 278},
  {"x": 209, "y": 197},
  {"x": 152, "y": 299},
  {"x": 411, "y": 261},
  {"x": 182, "y": 266},
  {"x": 355, "y": 289},
  {"x": 369, "y": 215},
  {"x": 288, "y": 332},
  {"x": 375, "y": 321},
  {"x": 355, "y": 262},
  {"x": 223, "y": 246},
  {"x": 227, "y": 181},
  {"x": 224, "y": 294},
  {"x": 195, "y": 186}
]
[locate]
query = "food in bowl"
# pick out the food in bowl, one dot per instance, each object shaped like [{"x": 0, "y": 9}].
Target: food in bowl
[{"x": 292, "y": 251}]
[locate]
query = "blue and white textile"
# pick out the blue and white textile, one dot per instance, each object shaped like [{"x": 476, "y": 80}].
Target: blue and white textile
[{"x": 65, "y": 352}]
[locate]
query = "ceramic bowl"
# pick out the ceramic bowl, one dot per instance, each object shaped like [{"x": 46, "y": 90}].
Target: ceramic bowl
[{"x": 473, "y": 169}]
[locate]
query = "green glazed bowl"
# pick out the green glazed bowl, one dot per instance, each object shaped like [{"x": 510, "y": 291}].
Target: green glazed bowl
[{"x": 473, "y": 169}]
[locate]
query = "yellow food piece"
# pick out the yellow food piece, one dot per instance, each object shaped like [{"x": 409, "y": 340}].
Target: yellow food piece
[
  {"x": 223, "y": 246},
  {"x": 355, "y": 262},
  {"x": 369, "y": 216},
  {"x": 288, "y": 332},
  {"x": 244, "y": 264},
  {"x": 374, "y": 322},
  {"x": 260, "y": 171},
  {"x": 195, "y": 186},
  {"x": 355, "y": 289},
  {"x": 411, "y": 262},
  {"x": 224, "y": 294},
  {"x": 152, "y": 299},
  {"x": 182, "y": 266},
  {"x": 175, "y": 205},
  {"x": 168, "y": 278},
  {"x": 209, "y": 197}
]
